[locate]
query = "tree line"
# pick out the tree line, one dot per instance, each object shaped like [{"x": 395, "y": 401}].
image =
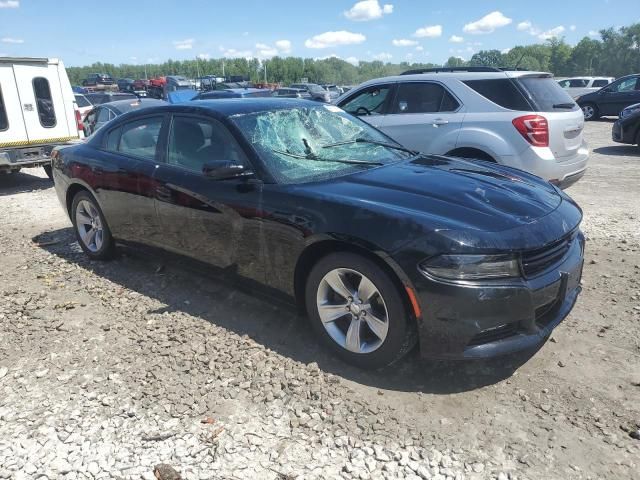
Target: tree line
[{"x": 615, "y": 53}]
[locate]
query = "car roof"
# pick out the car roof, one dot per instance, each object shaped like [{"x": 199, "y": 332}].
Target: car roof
[
  {"x": 455, "y": 75},
  {"x": 123, "y": 106}
]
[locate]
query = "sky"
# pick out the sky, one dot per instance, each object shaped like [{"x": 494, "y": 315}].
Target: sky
[{"x": 144, "y": 31}]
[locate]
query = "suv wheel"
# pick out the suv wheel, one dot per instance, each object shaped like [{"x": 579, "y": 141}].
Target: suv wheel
[
  {"x": 357, "y": 310},
  {"x": 590, "y": 111}
]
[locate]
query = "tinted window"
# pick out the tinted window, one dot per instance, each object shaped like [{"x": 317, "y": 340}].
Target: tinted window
[
  {"x": 628, "y": 85},
  {"x": 501, "y": 91},
  {"x": 97, "y": 98},
  {"x": 194, "y": 142},
  {"x": 140, "y": 138},
  {"x": 4, "y": 122},
  {"x": 367, "y": 101},
  {"x": 113, "y": 139},
  {"x": 578, "y": 83},
  {"x": 44, "y": 102},
  {"x": 82, "y": 101},
  {"x": 544, "y": 93},
  {"x": 600, "y": 83},
  {"x": 423, "y": 98}
]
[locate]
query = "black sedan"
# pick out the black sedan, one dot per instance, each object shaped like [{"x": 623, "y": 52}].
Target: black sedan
[
  {"x": 383, "y": 247},
  {"x": 627, "y": 128}
]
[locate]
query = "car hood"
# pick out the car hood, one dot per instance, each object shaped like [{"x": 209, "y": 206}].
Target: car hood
[{"x": 473, "y": 194}]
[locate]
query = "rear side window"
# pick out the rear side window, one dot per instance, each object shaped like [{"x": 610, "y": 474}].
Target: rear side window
[
  {"x": 501, "y": 91},
  {"x": 113, "y": 139},
  {"x": 417, "y": 97},
  {"x": 545, "y": 94},
  {"x": 578, "y": 83},
  {"x": 140, "y": 138},
  {"x": 44, "y": 102},
  {"x": 4, "y": 121},
  {"x": 600, "y": 83}
]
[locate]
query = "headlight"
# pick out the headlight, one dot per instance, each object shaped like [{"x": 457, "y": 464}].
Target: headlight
[{"x": 472, "y": 267}]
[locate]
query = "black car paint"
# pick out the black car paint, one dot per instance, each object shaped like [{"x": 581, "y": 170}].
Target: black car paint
[
  {"x": 610, "y": 103},
  {"x": 400, "y": 214},
  {"x": 627, "y": 129}
]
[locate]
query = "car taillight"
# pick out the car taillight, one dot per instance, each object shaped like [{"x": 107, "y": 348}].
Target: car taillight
[
  {"x": 79, "y": 123},
  {"x": 534, "y": 129}
]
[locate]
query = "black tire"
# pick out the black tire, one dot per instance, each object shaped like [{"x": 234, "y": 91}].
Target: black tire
[
  {"x": 49, "y": 171},
  {"x": 401, "y": 333},
  {"x": 107, "y": 249},
  {"x": 590, "y": 107}
]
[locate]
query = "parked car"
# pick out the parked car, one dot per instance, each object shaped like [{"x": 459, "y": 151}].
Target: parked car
[
  {"x": 577, "y": 86},
  {"x": 98, "y": 98},
  {"x": 233, "y": 93},
  {"x": 37, "y": 112},
  {"x": 83, "y": 103},
  {"x": 627, "y": 128},
  {"x": 94, "y": 79},
  {"x": 291, "y": 93},
  {"x": 516, "y": 118},
  {"x": 612, "y": 99},
  {"x": 104, "y": 113},
  {"x": 334, "y": 90},
  {"x": 140, "y": 85},
  {"x": 316, "y": 92},
  {"x": 383, "y": 247},
  {"x": 125, "y": 85}
]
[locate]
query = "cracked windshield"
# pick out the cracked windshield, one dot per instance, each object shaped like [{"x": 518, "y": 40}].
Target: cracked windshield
[{"x": 316, "y": 143}]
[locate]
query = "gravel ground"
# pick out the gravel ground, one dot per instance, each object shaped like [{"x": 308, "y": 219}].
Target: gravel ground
[{"x": 110, "y": 369}]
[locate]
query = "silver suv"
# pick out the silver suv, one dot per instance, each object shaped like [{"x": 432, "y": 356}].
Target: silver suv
[{"x": 520, "y": 119}]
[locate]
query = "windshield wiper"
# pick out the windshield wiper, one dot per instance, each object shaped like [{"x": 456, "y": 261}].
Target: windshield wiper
[
  {"x": 321, "y": 159},
  {"x": 373, "y": 142},
  {"x": 564, "y": 105}
]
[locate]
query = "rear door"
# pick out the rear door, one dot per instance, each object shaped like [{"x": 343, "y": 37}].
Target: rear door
[
  {"x": 423, "y": 116},
  {"x": 12, "y": 127},
  {"x": 564, "y": 117},
  {"x": 42, "y": 102}
]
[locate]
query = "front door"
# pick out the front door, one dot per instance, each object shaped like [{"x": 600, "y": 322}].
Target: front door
[
  {"x": 619, "y": 95},
  {"x": 369, "y": 103},
  {"x": 215, "y": 221},
  {"x": 42, "y": 103}
]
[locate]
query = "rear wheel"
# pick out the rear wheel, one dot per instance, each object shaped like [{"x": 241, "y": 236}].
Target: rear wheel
[
  {"x": 590, "y": 111},
  {"x": 358, "y": 311},
  {"x": 92, "y": 230}
]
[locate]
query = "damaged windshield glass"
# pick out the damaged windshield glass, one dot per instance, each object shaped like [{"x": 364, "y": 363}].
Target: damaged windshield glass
[{"x": 292, "y": 143}]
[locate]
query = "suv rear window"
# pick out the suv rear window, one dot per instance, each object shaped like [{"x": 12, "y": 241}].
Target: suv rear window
[
  {"x": 501, "y": 91},
  {"x": 600, "y": 83},
  {"x": 44, "y": 102},
  {"x": 4, "y": 122},
  {"x": 544, "y": 93}
]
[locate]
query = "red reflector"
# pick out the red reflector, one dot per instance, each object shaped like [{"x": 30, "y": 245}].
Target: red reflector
[
  {"x": 534, "y": 129},
  {"x": 414, "y": 302},
  {"x": 79, "y": 123}
]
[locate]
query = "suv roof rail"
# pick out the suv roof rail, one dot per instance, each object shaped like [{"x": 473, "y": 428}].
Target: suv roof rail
[{"x": 461, "y": 69}]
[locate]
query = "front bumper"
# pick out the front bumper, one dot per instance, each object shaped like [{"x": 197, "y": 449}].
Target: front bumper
[
  {"x": 467, "y": 321},
  {"x": 624, "y": 129}
]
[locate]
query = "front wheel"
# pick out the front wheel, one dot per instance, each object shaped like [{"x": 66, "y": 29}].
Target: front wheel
[
  {"x": 92, "y": 230},
  {"x": 358, "y": 311},
  {"x": 590, "y": 111}
]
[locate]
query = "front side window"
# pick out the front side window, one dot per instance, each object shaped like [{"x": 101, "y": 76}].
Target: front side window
[
  {"x": 193, "y": 142},
  {"x": 417, "y": 97},
  {"x": 308, "y": 144},
  {"x": 368, "y": 101},
  {"x": 4, "y": 121},
  {"x": 628, "y": 85},
  {"x": 44, "y": 102},
  {"x": 140, "y": 138}
]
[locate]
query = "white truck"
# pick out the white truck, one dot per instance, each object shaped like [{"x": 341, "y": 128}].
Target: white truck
[{"x": 37, "y": 112}]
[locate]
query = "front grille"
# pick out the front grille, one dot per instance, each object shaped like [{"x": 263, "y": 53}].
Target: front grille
[
  {"x": 537, "y": 261},
  {"x": 494, "y": 334}
]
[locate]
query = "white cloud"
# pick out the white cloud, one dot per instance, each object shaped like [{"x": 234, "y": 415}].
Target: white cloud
[
  {"x": 487, "y": 24},
  {"x": 430, "y": 31},
  {"x": 334, "y": 39},
  {"x": 186, "y": 44},
  {"x": 9, "y": 4},
  {"x": 524, "y": 26},
  {"x": 204, "y": 56},
  {"x": 403, "y": 42},
  {"x": 572, "y": 28},
  {"x": 12, "y": 40},
  {"x": 368, "y": 10},
  {"x": 283, "y": 46},
  {"x": 553, "y": 33},
  {"x": 352, "y": 60},
  {"x": 383, "y": 56},
  {"x": 456, "y": 39},
  {"x": 233, "y": 53},
  {"x": 419, "y": 48},
  {"x": 594, "y": 33},
  {"x": 266, "y": 51},
  {"x": 327, "y": 57}
]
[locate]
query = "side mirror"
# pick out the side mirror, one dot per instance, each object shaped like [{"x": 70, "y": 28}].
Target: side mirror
[{"x": 224, "y": 170}]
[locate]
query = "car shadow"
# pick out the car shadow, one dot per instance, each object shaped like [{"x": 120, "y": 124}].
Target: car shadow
[
  {"x": 618, "y": 150},
  {"x": 182, "y": 286},
  {"x": 20, "y": 182}
]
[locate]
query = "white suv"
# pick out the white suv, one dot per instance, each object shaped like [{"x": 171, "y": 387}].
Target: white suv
[{"x": 520, "y": 119}]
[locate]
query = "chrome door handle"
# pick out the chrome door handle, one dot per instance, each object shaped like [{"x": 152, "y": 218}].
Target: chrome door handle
[{"x": 439, "y": 121}]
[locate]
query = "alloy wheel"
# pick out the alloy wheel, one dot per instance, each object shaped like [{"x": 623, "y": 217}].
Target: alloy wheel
[
  {"x": 588, "y": 112},
  {"x": 89, "y": 226},
  {"x": 352, "y": 310}
]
